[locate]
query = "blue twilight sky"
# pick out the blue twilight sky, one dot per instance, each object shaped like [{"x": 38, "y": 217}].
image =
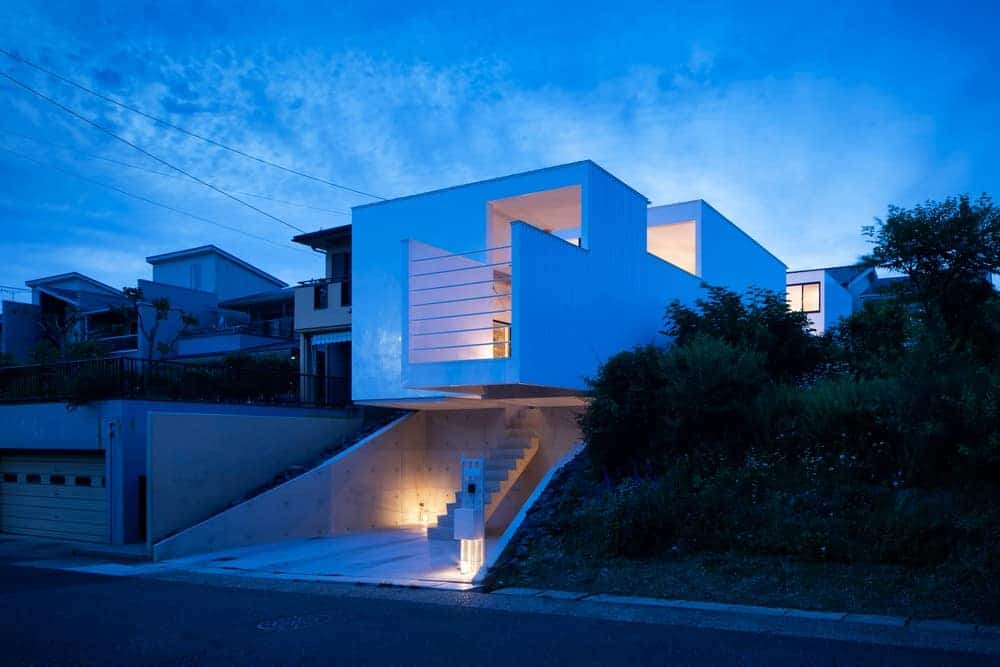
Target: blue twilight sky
[{"x": 798, "y": 124}]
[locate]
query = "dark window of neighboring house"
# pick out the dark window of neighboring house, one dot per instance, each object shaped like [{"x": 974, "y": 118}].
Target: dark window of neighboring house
[
  {"x": 345, "y": 293},
  {"x": 340, "y": 266},
  {"x": 10, "y": 478},
  {"x": 32, "y": 478},
  {"x": 321, "y": 296},
  {"x": 804, "y": 297},
  {"x": 82, "y": 480},
  {"x": 57, "y": 480}
]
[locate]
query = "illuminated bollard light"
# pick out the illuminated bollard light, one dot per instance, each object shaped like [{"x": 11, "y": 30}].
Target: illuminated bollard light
[{"x": 471, "y": 556}]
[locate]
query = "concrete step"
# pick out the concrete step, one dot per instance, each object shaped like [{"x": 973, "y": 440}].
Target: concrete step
[
  {"x": 507, "y": 453},
  {"x": 496, "y": 474}
]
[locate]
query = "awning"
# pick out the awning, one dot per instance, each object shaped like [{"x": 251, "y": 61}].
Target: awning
[{"x": 335, "y": 337}]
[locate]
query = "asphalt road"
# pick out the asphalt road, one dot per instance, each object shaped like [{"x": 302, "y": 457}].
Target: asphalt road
[{"x": 61, "y": 617}]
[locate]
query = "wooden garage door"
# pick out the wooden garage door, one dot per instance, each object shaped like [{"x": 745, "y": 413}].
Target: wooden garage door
[{"x": 61, "y": 495}]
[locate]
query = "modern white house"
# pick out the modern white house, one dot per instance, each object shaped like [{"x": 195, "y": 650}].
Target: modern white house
[
  {"x": 481, "y": 309},
  {"x": 516, "y": 288}
]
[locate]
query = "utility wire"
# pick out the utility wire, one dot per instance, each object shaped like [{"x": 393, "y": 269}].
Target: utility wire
[
  {"x": 145, "y": 152},
  {"x": 95, "y": 156},
  {"x": 147, "y": 200},
  {"x": 217, "y": 144}
]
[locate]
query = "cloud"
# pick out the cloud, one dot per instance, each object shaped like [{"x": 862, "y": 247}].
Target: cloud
[{"x": 799, "y": 161}]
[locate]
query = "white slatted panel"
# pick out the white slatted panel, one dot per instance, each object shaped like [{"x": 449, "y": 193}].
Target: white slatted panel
[{"x": 61, "y": 495}]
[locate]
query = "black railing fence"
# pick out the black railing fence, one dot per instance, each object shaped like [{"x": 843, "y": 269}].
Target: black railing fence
[{"x": 119, "y": 377}]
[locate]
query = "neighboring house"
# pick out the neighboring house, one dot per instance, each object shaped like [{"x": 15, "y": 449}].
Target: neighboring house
[
  {"x": 86, "y": 473},
  {"x": 827, "y": 295},
  {"x": 208, "y": 268},
  {"x": 323, "y": 316},
  {"x": 236, "y": 307},
  {"x": 68, "y": 305}
]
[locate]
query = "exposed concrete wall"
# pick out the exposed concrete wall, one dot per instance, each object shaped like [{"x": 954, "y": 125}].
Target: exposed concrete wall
[
  {"x": 306, "y": 506},
  {"x": 378, "y": 483},
  {"x": 199, "y": 463},
  {"x": 560, "y": 434}
]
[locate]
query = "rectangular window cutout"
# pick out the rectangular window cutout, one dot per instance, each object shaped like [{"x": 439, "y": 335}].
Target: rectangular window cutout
[
  {"x": 33, "y": 478},
  {"x": 10, "y": 478},
  {"x": 501, "y": 339},
  {"x": 804, "y": 297},
  {"x": 676, "y": 243},
  {"x": 82, "y": 480},
  {"x": 57, "y": 480}
]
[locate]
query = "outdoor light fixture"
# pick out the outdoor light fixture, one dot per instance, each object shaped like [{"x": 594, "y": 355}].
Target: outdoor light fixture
[
  {"x": 470, "y": 556},
  {"x": 423, "y": 516}
]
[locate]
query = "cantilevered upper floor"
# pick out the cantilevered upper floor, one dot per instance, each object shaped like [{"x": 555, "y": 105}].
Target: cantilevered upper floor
[{"x": 516, "y": 288}]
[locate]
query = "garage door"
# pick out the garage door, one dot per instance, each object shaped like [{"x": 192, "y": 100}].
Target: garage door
[{"x": 60, "y": 495}]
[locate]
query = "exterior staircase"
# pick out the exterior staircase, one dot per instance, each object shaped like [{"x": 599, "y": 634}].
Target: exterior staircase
[{"x": 503, "y": 465}]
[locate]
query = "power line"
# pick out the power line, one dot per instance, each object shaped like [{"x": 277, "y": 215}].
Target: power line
[
  {"x": 162, "y": 173},
  {"x": 147, "y": 153},
  {"x": 182, "y": 130},
  {"x": 147, "y": 200}
]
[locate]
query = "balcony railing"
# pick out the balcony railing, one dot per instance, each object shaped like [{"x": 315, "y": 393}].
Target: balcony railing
[
  {"x": 281, "y": 327},
  {"x": 459, "y": 304},
  {"x": 118, "y": 377}
]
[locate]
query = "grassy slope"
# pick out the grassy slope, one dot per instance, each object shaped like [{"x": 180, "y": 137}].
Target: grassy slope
[{"x": 539, "y": 558}]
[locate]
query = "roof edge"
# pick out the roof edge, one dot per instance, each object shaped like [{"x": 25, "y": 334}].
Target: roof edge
[{"x": 212, "y": 248}]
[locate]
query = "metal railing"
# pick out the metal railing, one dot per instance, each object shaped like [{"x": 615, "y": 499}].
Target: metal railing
[
  {"x": 280, "y": 327},
  {"x": 460, "y": 305},
  {"x": 120, "y": 377}
]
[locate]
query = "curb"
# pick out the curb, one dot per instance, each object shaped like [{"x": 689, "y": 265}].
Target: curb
[{"x": 938, "y": 627}]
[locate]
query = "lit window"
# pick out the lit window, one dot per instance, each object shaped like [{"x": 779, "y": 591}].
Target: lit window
[
  {"x": 501, "y": 339},
  {"x": 804, "y": 297}
]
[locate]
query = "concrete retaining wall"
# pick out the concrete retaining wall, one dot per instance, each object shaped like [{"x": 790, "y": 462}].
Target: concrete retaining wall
[
  {"x": 200, "y": 463},
  {"x": 378, "y": 483},
  {"x": 120, "y": 428}
]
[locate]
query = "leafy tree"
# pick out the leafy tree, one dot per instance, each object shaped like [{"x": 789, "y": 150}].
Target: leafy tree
[
  {"x": 871, "y": 342},
  {"x": 759, "y": 320},
  {"x": 948, "y": 250}
]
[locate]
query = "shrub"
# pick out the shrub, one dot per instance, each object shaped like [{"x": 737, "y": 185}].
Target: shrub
[
  {"x": 634, "y": 520},
  {"x": 872, "y": 341},
  {"x": 623, "y": 423},
  {"x": 650, "y": 408},
  {"x": 848, "y": 427},
  {"x": 709, "y": 417},
  {"x": 759, "y": 320}
]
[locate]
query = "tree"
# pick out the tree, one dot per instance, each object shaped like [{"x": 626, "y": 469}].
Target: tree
[
  {"x": 62, "y": 339},
  {"x": 872, "y": 341},
  {"x": 948, "y": 250},
  {"x": 151, "y": 319},
  {"x": 759, "y": 321}
]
